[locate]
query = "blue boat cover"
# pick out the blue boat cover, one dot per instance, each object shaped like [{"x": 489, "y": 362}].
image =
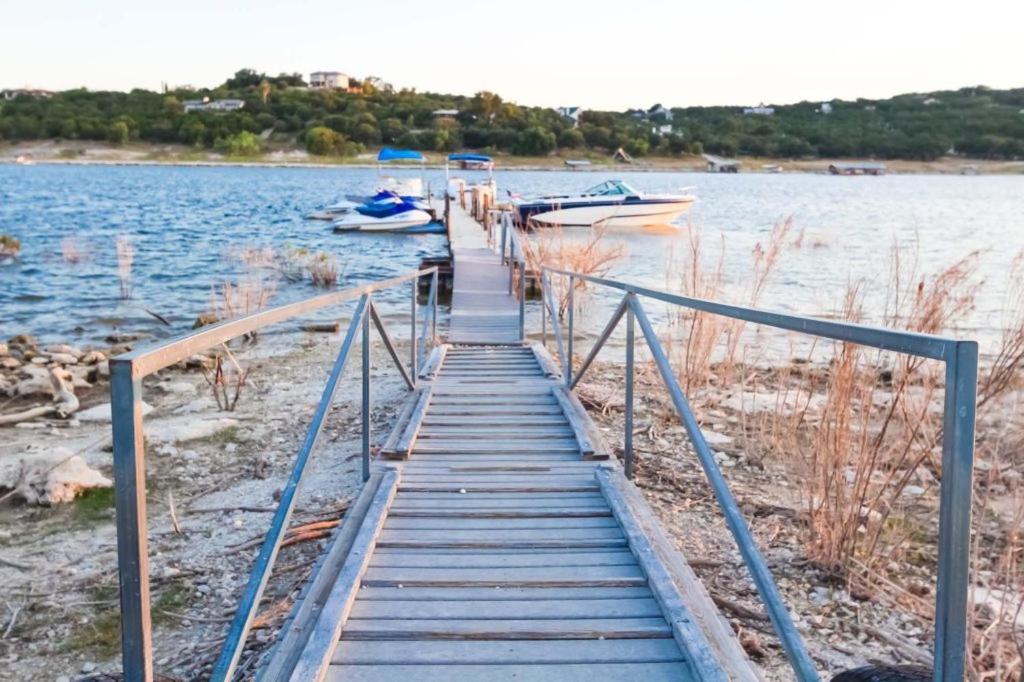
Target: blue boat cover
[
  {"x": 469, "y": 157},
  {"x": 385, "y": 208},
  {"x": 389, "y": 154}
]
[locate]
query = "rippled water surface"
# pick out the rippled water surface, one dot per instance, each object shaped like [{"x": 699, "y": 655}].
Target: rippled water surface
[{"x": 185, "y": 221}]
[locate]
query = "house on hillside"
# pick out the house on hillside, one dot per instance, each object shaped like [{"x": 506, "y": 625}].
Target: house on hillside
[
  {"x": 571, "y": 114},
  {"x": 759, "y": 110},
  {"x": 34, "y": 93},
  {"x": 206, "y": 104},
  {"x": 663, "y": 129},
  {"x": 328, "y": 80},
  {"x": 716, "y": 164},
  {"x": 825, "y": 108},
  {"x": 659, "y": 112},
  {"x": 445, "y": 114}
]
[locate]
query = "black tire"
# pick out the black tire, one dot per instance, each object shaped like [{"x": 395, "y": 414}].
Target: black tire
[{"x": 885, "y": 673}]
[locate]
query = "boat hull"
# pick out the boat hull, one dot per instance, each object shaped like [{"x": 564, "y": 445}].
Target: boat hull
[
  {"x": 401, "y": 222},
  {"x": 606, "y": 214}
]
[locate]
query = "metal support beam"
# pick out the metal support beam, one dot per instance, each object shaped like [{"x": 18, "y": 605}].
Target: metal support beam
[
  {"x": 572, "y": 316},
  {"x": 627, "y": 440},
  {"x": 366, "y": 397},
  {"x": 955, "y": 513},
  {"x": 413, "y": 358},
  {"x": 130, "y": 503}
]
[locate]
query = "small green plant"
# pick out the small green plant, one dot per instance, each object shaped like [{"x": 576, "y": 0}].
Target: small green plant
[{"x": 94, "y": 506}]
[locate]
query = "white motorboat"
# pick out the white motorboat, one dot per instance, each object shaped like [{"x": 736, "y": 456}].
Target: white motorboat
[
  {"x": 611, "y": 204},
  {"x": 389, "y": 214}
]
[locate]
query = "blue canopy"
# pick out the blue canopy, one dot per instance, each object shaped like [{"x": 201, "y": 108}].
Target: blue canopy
[
  {"x": 389, "y": 154},
  {"x": 469, "y": 157}
]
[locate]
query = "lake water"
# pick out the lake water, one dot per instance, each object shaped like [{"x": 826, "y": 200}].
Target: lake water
[{"x": 185, "y": 222}]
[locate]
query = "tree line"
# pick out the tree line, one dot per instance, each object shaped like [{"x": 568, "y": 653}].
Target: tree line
[{"x": 280, "y": 111}]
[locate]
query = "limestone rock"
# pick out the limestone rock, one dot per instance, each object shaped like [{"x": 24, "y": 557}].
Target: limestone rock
[
  {"x": 63, "y": 358},
  {"x": 49, "y": 477},
  {"x": 92, "y": 357},
  {"x": 101, "y": 413},
  {"x": 63, "y": 349},
  {"x": 186, "y": 428}
]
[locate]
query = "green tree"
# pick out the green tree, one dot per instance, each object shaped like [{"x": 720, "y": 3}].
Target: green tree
[
  {"x": 118, "y": 133},
  {"x": 323, "y": 141},
  {"x": 571, "y": 139},
  {"x": 534, "y": 141},
  {"x": 240, "y": 144}
]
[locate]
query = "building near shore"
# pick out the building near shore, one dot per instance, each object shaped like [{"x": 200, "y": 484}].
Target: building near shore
[
  {"x": 328, "y": 80},
  {"x": 717, "y": 164},
  {"x": 34, "y": 93},
  {"x": 857, "y": 168},
  {"x": 207, "y": 104}
]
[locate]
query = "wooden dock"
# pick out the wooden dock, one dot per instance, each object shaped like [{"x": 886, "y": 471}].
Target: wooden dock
[{"x": 505, "y": 546}]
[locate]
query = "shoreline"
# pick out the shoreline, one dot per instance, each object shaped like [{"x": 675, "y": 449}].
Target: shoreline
[{"x": 48, "y": 153}]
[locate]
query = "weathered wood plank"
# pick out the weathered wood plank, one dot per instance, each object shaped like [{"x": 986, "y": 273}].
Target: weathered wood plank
[
  {"x": 420, "y": 594},
  {"x": 324, "y": 635},
  {"x": 532, "y": 576},
  {"x": 521, "y": 652},
  {"x": 512, "y": 609},
  {"x": 724, "y": 644},
  {"x": 459, "y": 543},
  {"x": 574, "y": 672},
  {"x": 486, "y": 523},
  {"x": 434, "y": 559},
  {"x": 469, "y": 629},
  {"x": 412, "y": 428}
]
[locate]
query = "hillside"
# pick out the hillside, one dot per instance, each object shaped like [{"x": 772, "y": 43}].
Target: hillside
[{"x": 281, "y": 113}]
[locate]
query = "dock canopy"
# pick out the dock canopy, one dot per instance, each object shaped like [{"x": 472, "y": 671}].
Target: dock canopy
[
  {"x": 389, "y": 154},
  {"x": 480, "y": 158}
]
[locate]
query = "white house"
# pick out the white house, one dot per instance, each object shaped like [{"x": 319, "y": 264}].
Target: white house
[
  {"x": 327, "y": 80},
  {"x": 206, "y": 104},
  {"x": 759, "y": 110},
  {"x": 826, "y": 108},
  {"x": 571, "y": 114},
  {"x": 663, "y": 129}
]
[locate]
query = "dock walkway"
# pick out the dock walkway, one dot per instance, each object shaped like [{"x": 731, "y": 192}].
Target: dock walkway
[{"x": 504, "y": 548}]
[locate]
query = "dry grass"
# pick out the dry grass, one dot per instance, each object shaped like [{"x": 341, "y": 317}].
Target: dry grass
[
  {"x": 703, "y": 345},
  {"x": 125, "y": 258},
  {"x": 247, "y": 295},
  {"x": 590, "y": 253},
  {"x": 323, "y": 270},
  {"x": 226, "y": 380}
]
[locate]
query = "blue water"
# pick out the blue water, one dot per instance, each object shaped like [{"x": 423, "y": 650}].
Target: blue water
[{"x": 185, "y": 222}]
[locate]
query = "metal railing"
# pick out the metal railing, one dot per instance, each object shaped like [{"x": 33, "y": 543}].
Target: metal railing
[
  {"x": 126, "y": 374},
  {"x": 513, "y": 255},
  {"x": 961, "y": 370}
]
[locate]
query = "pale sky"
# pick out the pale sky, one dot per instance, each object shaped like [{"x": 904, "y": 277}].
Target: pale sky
[{"x": 598, "y": 54}]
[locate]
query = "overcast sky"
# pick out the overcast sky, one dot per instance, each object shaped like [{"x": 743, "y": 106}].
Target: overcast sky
[{"x": 597, "y": 54}]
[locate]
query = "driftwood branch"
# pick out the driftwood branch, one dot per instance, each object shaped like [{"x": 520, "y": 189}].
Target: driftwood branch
[{"x": 64, "y": 398}]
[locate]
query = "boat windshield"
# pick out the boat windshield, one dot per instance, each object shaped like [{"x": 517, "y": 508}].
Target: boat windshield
[{"x": 611, "y": 188}]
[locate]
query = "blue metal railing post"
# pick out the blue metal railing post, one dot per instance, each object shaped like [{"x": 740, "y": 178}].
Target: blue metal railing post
[
  {"x": 433, "y": 314},
  {"x": 627, "y": 441},
  {"x": 572, "y": 315},
  {"x": 366, "y": 396},
  {"x": 955, "y": 512},
  {"x": 130, "y": 504},
  {"x": 246, "y": 611},
  {"x": 522, "y": 300},
  {"x": 759, "y": 573},
  {"x": 412, "y": 329}
]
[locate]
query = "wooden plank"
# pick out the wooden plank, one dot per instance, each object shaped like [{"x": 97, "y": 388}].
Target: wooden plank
[
  {"x": 495, "y": 488},
  {"x": 576, "y": 421},
  {"x": 389, "y": 449},
  {"x": 545, "y": 361},
  {"x": 421, "y": 594},
  {"x": 533, "y": 576},
  {"x": 717, "y": 632},
  {"x": 685, "y": 629},
  {"x": 490, "y": 522},
  {"x": 574, "y": 672},
  {"x": 525, "y": 433},
  {"x": 408, "y": 439},
  {"x": 523, "y": 410},
  {"x": 324, "y": 635},
  {"x": 434, "y": 419},
  {"x": 519, "y": 652},
  {"x": 470, "y": 629},
  {"x": 509, "y": 609},
  {"x": 296, "y": 631},
  {"x": 434, "y": 361},
  {"x": 471, "y": 543},
  {"x": 467, "y": 559},
  {"x": 507, "y": 535}
]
